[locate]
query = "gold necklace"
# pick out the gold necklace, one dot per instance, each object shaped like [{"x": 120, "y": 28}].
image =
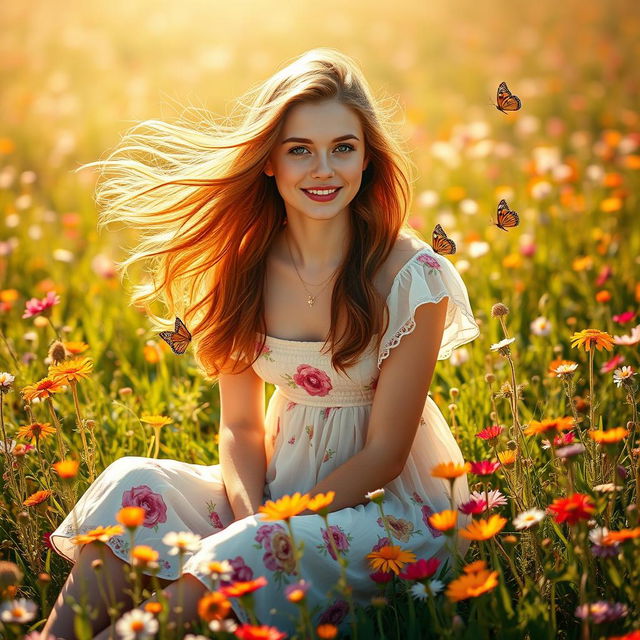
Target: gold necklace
[{"x": 311, "y": 299}]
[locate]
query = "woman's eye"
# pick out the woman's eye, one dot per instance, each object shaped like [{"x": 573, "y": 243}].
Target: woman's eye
[{"x": 348, "y": 147}]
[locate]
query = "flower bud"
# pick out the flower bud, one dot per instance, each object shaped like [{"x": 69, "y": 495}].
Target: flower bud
[
  {"x": 498, "y": 310},
  {"x": 57, "y": 352}
]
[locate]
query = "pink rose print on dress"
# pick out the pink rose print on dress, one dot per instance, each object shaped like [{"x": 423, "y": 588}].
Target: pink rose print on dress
[
  {"x": 382, "y": 542},
  {"x": 335, "y": 614},
  {"x": 341, "y": 541},
  {"x": 290, "y": 405},
  {"x": 314, "y": 381},
  {"x": 152, "y": 503},
  {"x": 241, "y": 571},
  {"x": 426, "y": 512},
  {"x": 400, "y": 528},
  {"x": 415, "y": 497},
  {"x": 425, "y": 258},
  {"x": 278, "y": 556}
]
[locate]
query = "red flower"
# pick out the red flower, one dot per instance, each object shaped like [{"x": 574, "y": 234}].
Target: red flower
[
  {"x": 473, "y": 506},
  {"x": 381, "y": 577},
  {"x": 484, "y": 467},
  {"x": 578, "y": 506},
  {"x": 420, "y": 570},
  {"x": 490, "y": 433},
  {"x": 239, "y": 589},
  {"x": 251, "y": 632}
]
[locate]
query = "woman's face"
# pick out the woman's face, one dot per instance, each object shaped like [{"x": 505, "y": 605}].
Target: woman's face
[{"x": 317, "y": 159}]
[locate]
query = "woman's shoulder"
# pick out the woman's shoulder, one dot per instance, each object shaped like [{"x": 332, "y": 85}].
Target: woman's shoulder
[{"x": 407, "y": 244}]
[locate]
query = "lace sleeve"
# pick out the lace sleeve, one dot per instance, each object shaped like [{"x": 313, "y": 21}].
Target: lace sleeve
[{"x": 428, "y": 277}]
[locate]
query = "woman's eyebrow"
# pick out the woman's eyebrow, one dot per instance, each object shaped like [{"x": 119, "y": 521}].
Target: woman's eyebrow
[{"x": 346, "y": 137}]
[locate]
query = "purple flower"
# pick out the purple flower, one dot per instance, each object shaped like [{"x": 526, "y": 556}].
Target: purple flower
[
  {"x": 570, "y": 450},
  {"x": 335, "y": 614},
  {"x": 602, "y": 611}
]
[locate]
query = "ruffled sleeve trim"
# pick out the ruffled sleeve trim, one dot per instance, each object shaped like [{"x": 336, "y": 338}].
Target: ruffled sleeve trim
[{"x": 427, "y": 278}]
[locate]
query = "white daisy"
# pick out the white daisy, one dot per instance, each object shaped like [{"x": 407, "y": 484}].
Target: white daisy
[
  {"x": 628, "y": 340},
  {"x": 136, "y": 625},
  {"x": 620, "y": 376},
  {"x": 223, "y": 625},
  {"x": 608, "y": 487},
  {"x": 502, "y": 345},
  {"x": 20, "y": 610},
  {"x": 565, "y": 369},
  {"x": 217, "y": 570},
  {"x": 598, "y": 534},
  {"x": 528, "y": 518},
  {"x": 419, "y": 591},
  {"x": 375, "y": 496},
  {"x": 182, "y": 541},
  {"x": 540, "y": 326},
  {"x": 436, "y": 586},
  {"x": 6, "y": 379}
]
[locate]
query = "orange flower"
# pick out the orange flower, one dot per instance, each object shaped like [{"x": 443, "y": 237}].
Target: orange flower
[
  {"x": 444, "y": 520},
  {"x": 99, "y": 534},
  {"x": 9, "y": 295},
  {"x": 71, "y": 370},
  {"x": 450, "y": 470},
  {"x": 474, "y": 567},
  {"x": 472, "y": 583},
  {"x": 75, "y": 348},
  {"x": 42, "y": 389},
  {"x": 213, "y": 606},
  {"x": 390, "y": 558},
  {"x": 285, "y": 508},
  {"x": 603, "y": 296},
  {"x": 608, "y": 436},
  {"x": 144, "y": 555},
  {"x": 609, "y": 205},
  {"x": 239, "y": 589},
  {"x": 67, "y": 468},
  {"x": 131, "y": 517},
  {"x": 327, "y": 631},
  {"x": 621, "y": 535},
  {"x": 582, "y": 263},
  {"x": 483, "y": 529},
  {"x": 37, "y": 498},
  {"x": 321, "y": 501},
  {"x": 36, "y": 430},
  {"x": 153, "y": 607},
  {"x": 592, "y": 338},
  {"x": 262, "y": 632},
  {"x": 151, "y": 353},
  {"x": 558, "y": 424},
  {"x": 507, "y": 457}
]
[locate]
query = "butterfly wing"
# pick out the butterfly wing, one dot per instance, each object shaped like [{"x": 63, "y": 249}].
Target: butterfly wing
[
  {"x": 179, "y": 339},
  {"x": 441, "y": 243},
  {"x": 506, "y": 100},
  {"x": 506, "y": 217}
]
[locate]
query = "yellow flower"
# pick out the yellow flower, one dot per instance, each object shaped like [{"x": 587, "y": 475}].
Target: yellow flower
[
  {"x": 444, "y": 520},
  {"x": 75, "y": 347},
  {"x": 36, "y": 430},
  {"x": 390, "y": 558},
  {"x": 9, "y": 295},
  {"x": 592, "y": 337},
  {"x": 36, "y": 498},
  {"x": 285, "y": 508},
  {"x": 483, "y": 529},
  {"x": 507, "y": 457},
  {"x": 99, "y": 534},
  {"x": 67, "y": 468},
  {"x": 71, "y": 370},
  {"x": 321, "y": 501},
  {"x": 559, "y": 424},
  {"x": 582, "y": 263},
  {"x": 156, "y": 420},
  {"x": 610, "y": 436},
  {"x": 144, "y": 555},
  {"x": 450, "y": 470},
  {"x": 472, "y": 583},
  {"x": 42, "y": 389}
]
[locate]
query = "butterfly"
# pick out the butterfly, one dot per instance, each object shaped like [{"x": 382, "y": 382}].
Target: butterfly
[
  {"x": 441, "y": 243},
  {"x": 506, "y": 217},
  {"x": 178, "y": 339},
  {"x": 506, "y": 100}
]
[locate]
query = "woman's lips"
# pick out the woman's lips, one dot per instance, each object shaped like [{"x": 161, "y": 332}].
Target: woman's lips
[{"x": 319, "y": 198}]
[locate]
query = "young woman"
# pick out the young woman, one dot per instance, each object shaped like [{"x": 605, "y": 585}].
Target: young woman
[{"x": 282, "y": 243}]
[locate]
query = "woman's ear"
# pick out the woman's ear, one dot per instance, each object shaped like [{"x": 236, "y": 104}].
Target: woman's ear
[
  {"x": 365, "y": 164},
  {"x": 267, "y": 169}
]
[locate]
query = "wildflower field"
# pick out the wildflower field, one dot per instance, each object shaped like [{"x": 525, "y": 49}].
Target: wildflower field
[{"x": 544, "y": 404}]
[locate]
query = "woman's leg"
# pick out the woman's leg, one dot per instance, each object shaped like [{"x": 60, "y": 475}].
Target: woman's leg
[
  {"x": 192, "y": 591},
  {"x": 83, "y": 580}
]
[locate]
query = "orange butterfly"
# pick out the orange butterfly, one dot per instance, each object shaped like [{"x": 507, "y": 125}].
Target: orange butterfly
[
  {"x": 441, "y": 243},
  {"x": 179, "y": 339},
  {"x": 506, "y": 100},
  {"x": 506, "y": 217}
]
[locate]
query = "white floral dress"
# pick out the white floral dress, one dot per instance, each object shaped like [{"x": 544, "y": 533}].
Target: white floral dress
[{"x": 316, "y": 420}]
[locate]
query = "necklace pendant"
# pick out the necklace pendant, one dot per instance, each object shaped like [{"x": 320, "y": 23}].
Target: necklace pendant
[{"x": 311, "y": 300}]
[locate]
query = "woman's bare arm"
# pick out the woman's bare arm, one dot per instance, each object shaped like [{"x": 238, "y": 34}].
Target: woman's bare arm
[{"x": 241, "y": 444}]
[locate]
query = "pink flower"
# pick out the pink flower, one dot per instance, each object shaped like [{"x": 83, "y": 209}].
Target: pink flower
[
  {"x": 605, "y": 273},
  {"x": 425, "y": 258},
  {"x": 314, "y": 381},
  {"x": 625, "y": 317},
  {"x": 484, "y": 467},
  {"x": 34, "y": 306},
  {"x": 381, "y": 577},
  {"x": 340, "y": 539},
  {"x": 496, "y": 498},
  {"x": 561, "y": 440},
  {"x": 490, "y": 433},
  {"x": 152, "y": 503},
  {"x": 473, "y": 506},
  {"x": 420, "y": 570},
  {"x": 612, "y": 364}
]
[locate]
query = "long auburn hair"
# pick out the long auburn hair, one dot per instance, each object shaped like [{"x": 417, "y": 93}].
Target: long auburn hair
[{"x": 207, "y": 214}]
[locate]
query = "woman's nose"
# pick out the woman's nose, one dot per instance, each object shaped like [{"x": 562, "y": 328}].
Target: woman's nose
[{"x": 322, "y": 167}]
